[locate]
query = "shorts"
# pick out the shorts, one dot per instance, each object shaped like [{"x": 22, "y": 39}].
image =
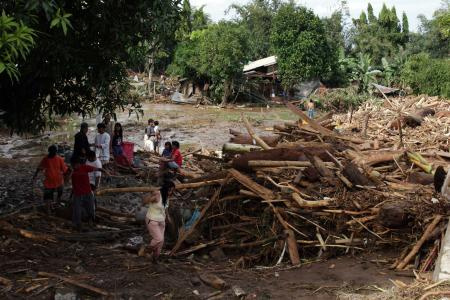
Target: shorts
[{"x": 48, "y": 193}]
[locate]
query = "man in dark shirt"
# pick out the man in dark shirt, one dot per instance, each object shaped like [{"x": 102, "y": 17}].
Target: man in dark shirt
[{"x": 81, "y": 147}]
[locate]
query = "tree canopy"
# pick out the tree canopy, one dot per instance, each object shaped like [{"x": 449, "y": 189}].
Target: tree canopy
[
  {"x": 77, "y": 61},
  {"x": 299, "y": 40}
]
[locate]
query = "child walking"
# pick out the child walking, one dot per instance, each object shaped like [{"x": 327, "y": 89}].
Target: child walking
[
  {"x": 54, "y": 167},
  {"x": 155, "y": 219}
]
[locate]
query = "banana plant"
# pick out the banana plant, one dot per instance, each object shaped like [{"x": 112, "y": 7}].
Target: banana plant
[{"x": 364, "y": 73}]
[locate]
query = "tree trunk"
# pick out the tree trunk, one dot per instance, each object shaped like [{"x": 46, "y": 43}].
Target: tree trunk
[
  {"x": 239, "y": 148},
  {"x": 151, "y": 68},
  {"x": 226, "y": 92}
]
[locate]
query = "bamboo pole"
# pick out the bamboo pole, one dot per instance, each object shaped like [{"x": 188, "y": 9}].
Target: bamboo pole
[{"x": 419, "y": 243}]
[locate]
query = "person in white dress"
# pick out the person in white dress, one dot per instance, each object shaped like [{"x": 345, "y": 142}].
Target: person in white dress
[{"x": 102, "y": 144}]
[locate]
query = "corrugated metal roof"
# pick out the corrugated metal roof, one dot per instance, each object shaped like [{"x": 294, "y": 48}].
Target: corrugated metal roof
[{"x": 264, "y": 62}]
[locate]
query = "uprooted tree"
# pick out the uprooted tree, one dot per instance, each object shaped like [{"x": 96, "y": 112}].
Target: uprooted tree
[{"x": 76, "y": 64}]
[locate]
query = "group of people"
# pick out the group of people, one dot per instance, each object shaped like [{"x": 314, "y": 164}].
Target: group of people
[
  {"x": 152, "y": 137},
  {"x": 87, "y": 164}
]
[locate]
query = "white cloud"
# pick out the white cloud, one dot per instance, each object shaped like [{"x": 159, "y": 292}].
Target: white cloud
[{"x": 216, "y": 8}]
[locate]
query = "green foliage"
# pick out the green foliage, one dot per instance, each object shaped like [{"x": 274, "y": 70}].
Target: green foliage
[
  {"x": 392, "y": 68},
  {"x": 363, "y": 72},
  {"x": 16, "y": 40},
  {"x": 434, "y": 34},
  {"x": 80, "y": 68},
  {"x": 298, "y": 39},
  {"x": 426, "y": 75},
  {"x": 370, "y": 14},
  {"x": 217, "y": 53},
  {"x": 221, "y": 51},
  {"x": 379, "y": 37},
  {"x": 61, "y": 20},
  {"x": 340, "y": 100},
  {"x": 257, "y": 17}
]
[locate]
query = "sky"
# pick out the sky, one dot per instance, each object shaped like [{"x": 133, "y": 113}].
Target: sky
[{"x": 216, "y": 8}]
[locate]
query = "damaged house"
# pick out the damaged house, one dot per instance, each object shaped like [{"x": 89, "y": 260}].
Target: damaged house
[{"x": 261, "y": 79}]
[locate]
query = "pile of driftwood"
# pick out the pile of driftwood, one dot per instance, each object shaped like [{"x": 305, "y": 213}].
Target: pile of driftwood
[{"x": 320, "y": 187}]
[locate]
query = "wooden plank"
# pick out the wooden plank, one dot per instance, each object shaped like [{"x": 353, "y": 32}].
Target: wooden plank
[{"x": 256, "y": 188}]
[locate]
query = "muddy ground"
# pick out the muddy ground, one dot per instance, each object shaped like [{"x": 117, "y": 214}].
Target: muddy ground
[{"x": 129, "y": 276}]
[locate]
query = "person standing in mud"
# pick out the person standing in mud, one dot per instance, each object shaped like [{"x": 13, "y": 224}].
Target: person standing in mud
[
  {"x": 157, "y": 137},
  {"x": 81, "y": 145},
  {"x": 117, "y": 140},
  {"x": 155, "y": 218},
  {"x": 54, "y": 167},
  {"x": 150, "y": 136},
  {"x": 82, "y": 192},
  {"x": 102, "y": 144}
]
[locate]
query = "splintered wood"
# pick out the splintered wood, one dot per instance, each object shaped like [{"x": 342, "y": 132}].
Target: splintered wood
[{"x": 321, "y": 189}]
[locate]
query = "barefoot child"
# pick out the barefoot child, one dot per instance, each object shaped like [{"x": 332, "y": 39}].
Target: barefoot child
[{"x": 155, "y": 219}]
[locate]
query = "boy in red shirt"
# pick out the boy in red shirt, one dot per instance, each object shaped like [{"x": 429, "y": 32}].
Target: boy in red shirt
[
  {"x": 54, "y": 169},
  {"x": 82, "y": 192}
]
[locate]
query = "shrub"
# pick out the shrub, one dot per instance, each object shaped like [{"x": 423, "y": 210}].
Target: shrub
[
  {"x": 426, "y": 75},
  {"x": 340, "y": 100}
]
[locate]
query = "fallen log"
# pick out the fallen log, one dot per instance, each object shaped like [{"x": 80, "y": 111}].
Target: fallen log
[
  {"x": 311, "y": 204},
  {"x": 377, "y": 157},
  {"x": 271, "y": 163},
  {"x": 76, "y": 283},
  {"x": 254, "y": 136},
  {"x": 147, "y": 189},
  {"x": 238, "y": 148},
  {"x": 245, "y": 139},
  {"x": 420, "y": 242},
  {"x": 241, "y": 163}
]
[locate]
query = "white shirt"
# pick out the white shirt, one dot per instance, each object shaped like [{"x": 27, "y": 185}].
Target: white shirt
[
  {"x": 156, "y": 211},
  {"x": 102, "y": 140},
  {"x": 92, "y": 175}
]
